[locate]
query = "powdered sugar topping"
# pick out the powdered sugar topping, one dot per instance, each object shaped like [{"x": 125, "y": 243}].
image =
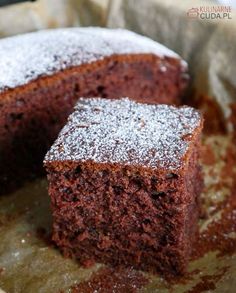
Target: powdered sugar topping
[
  {"x": 26, "y": 57},
  {"x": 123, "y": 131}
]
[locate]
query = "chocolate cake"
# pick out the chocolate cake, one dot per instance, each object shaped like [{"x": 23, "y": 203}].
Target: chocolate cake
[
  {"x": 124, "y": 182},
  {"x": 44, "y": 73}
]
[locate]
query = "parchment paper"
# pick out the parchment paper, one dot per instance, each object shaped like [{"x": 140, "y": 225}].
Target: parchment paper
[{"x": 41, "y": 14}]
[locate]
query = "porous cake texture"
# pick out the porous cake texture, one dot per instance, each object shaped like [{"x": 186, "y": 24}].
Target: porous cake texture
[
  {"x": 124, "y": 182},
  {"x": 44, "y": 73}
]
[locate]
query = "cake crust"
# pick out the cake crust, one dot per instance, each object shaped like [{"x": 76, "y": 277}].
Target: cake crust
[
  {"x": 25, "y": 58},
  {"x": 126, "y": 132}
]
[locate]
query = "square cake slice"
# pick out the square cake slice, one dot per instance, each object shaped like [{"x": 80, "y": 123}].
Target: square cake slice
[{"x": 124, "y": 182}]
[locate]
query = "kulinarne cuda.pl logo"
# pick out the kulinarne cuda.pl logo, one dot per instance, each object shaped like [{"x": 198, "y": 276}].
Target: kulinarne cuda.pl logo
[{"x": 210, "y": 12}]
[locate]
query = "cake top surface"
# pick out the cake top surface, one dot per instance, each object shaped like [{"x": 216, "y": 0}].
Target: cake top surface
[
  {"x": 123, "y": 131},
  {"x": 25, "y": 57}
]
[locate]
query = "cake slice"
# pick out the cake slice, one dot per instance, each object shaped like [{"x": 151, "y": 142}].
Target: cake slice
[{"x": 124, "y": 182}]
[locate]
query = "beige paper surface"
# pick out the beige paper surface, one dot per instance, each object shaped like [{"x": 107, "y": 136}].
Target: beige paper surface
[{"x": 31, "y": 16}]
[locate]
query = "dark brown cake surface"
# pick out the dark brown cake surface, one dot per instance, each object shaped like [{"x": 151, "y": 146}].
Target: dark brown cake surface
[{"x": 124, "y": 182}]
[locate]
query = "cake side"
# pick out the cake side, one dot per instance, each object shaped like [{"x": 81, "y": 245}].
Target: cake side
[
  {"x": 124, "y": 217},
  {"x": 120, "y": 211}
]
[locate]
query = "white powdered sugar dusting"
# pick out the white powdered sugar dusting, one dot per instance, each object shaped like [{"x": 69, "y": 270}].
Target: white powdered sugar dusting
[
  {"x": 126, "y": 132},
  {"x": 26, "y": 57}
]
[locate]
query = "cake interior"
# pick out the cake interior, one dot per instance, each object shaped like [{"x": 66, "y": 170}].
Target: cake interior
[
  {"x": 125, "y": 215},
  {"x": 32, "y": 115}
]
